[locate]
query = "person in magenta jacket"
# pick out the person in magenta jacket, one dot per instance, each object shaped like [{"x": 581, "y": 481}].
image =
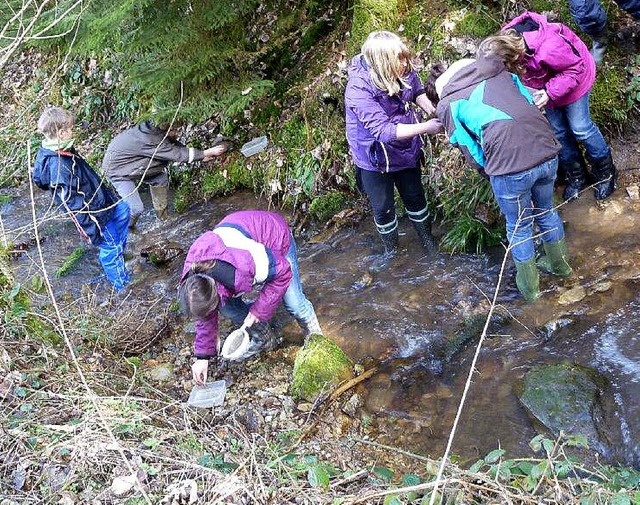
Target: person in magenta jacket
[
  {"x": 246, "y": 249},
  {"x": 383, "y": 131},
  {"x": 555, "y": 62}
]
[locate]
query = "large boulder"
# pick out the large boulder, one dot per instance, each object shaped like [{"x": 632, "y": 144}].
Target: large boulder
[
  {"x": 573, "y": 399},
  {"x": 319, "y": 364}
]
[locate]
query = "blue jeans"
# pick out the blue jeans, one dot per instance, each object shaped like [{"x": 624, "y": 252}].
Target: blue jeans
[
  {"x": 525, "y": 197},
  {"x": 114, "y": 242},
  {"x": 573, "y": 123},
  {"x": 295, "y": 301}
]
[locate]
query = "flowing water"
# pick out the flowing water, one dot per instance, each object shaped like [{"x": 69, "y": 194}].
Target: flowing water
[{"x": 398, "y": 317}]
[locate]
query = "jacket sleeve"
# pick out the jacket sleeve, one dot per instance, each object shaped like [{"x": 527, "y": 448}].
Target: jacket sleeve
[
  {"x": 361, "y": 100},
  {"x": 205, "y": 344},
  {"x": 273, "y": 291},
  {"x": 174, "y": 152},
  {"x": 566, "y": 66},
  {"x": 460, "y": 136}
]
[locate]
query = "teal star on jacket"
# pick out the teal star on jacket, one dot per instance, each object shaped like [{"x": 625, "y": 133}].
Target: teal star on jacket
[{"x": 470, "y": 116}]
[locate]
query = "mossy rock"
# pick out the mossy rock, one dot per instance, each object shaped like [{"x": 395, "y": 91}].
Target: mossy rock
[
  {"x": 324, "y": 207},
  {"x": 319, "y": 363},
  {"x": 573, "y": 399}
]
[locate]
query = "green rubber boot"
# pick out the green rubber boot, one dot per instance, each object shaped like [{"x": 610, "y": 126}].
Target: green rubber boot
[
  {"x": 527, "y": 279},
  {"x": 555, "y": 259}
]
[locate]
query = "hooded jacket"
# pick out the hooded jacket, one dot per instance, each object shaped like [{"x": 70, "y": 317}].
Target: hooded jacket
[
  {"x": 77, "y": 189},
  {"x": 556, "y": 60},
  {"x": 255, "y": 243},
  {"x": 144, "y": 150},
  {"x": 490, "y": 116},
  {"x": 371, "y": 119}
]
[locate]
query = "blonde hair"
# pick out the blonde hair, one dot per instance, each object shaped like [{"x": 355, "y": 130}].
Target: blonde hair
[
  {"x": 509, "y": 46},
  {"x": 389, "y": 59},
  {"x": 53, "y": 120}
]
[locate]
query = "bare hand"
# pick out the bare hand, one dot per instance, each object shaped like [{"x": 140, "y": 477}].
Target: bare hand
[
  {"x": 199, "y": 370},
  {"x": 212, "y": 152},
  {"x": 540, "y": 98}
]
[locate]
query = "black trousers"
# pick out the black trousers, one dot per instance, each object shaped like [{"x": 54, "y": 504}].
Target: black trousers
[{"x": 378, "y": 187}]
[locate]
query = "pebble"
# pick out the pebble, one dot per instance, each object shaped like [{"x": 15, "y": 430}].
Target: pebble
[
  {"x": 573, "y": 295},
  {"x": 304, "y": 407}
]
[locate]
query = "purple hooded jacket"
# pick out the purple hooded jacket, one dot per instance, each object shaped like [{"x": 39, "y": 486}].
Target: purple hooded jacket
[
  {"x": 559, "y": 61},
  {"x": 371, "y": 119},
  {"x": 267, "y": 232}
]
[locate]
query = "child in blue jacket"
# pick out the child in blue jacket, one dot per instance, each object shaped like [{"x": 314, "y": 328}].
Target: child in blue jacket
[{"x": 101, "y": 218}]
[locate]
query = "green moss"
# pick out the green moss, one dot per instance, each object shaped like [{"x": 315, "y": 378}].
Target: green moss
[
  {"x": 5, "y": 199},
  {"x": 609, "y": 104},
  {"x": 371, "y": 15},
  {"x": 319, "y": 363},
  {"x": 71, "y": 261},
  {"x": 326, "y": 206},
  {"x": 314, "y": 33},
  {"x": 477, "y": 23}
]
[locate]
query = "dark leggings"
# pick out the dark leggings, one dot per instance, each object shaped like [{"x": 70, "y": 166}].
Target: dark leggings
[{"x": 378, "y": 187}]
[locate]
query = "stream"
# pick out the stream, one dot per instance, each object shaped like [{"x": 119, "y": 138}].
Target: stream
[{"x": 394, "y": 318}]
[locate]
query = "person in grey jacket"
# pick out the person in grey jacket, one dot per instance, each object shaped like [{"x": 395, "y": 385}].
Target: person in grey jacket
[{"x": 140, "y": 155}]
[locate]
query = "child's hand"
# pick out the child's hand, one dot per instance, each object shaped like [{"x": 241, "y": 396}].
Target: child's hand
[
  {"x": 540, "y": 98},
  {"x": 212, "y": 152},
  {"x": 199, "y": 370}
]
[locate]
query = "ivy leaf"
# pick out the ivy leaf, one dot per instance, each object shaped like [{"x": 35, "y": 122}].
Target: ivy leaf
[
  {"x": 548, "y": 446},
  {"x": 620, "y": 499},
  {"x": 410, "y": 479},
  {"x": 383, "y": 472},
  {"x": 392, "y": 499},
  {"x": 318, "y": 476},
  {"x": 477, "y": 466},
  {"x": 494, "y": 456}
]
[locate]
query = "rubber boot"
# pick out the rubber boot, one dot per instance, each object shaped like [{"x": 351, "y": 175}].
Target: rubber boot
[
  {"x": 310, "y": 326},
  {"x": 389, "y": 236},
  {"x": 423, "y": 229},
  {"x": 575, "y": 174},
  {"x": 599, "y": 47},
  {"x": 528, "y": 279},
  {"x": 555, "y": 260},
  {"x": 605, "y": 173},
  {"x": 160, "y": 198},
  {"x": 262, "y": 339}
]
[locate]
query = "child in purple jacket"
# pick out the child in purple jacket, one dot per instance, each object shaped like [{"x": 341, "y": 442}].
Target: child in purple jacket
[
  {"x": 383, "y": 132},
  {"x": 245, "y": 249},
  {"x": 556, "y": 62}
]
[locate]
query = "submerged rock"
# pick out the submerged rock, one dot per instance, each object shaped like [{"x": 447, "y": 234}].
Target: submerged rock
[
  {"x": 162, "y": 252},
  {"x": 319, "y": 363},
  {"x": 573, "y": 399},
  {"x": 573, "y": 295}
]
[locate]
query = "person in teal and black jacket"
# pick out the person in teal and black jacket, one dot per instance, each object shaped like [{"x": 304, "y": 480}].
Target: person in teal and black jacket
[
  {"x": 100, "y": 217},
  {"x": 488, "y": 113}
]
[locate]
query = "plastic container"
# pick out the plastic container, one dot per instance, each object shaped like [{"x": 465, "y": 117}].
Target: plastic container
[
  {"x": 210, "y": 395},
  {"x": 254, "y": 146},
  {"x": 236, "y": 344}
]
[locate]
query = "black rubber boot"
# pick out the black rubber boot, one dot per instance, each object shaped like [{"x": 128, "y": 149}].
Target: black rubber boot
[
  {"x": 389, "y": 236},
  {"x": 604, "y": 172},
  {"x": 423, "y": 229},
  {"x": 575, "y": 174}
]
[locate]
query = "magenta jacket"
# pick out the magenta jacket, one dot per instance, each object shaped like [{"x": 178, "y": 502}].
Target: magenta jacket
[
  {"x": 256, "y": 243},
  {"x": 560, "y": 62}
]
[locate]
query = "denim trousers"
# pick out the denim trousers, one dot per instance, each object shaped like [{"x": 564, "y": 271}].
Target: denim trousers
[
  {"x": 114, "y": 242},
  {"x": 379, "y": 188},
  {"x": 295, "y": 301},
  {"x": 524, "y": 198},
  {"x": 573, "y": 123}
]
